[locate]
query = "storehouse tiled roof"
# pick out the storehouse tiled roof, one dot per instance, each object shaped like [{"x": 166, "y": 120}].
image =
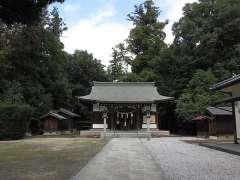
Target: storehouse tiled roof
[
  {"x": 67, "y": 112},
  {"x": 226, "y": 82},
  {"x": 53, "y": 114},
  {"x": 220, "y": 110}
]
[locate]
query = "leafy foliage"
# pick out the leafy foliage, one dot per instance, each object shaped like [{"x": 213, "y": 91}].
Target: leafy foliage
[
  {"x": 38, "y": 72},
  {"x": 197, "y": 96},
  {"x": 35, "y": 70},
  {"x": 82, "y": 70},
  {"x": 146, "y": 39},
  {"x": 14, "y": 120},
  {"x": 24, "y": 11},
  {"x": 207, "y": 37},
  {"x": 120, "y": 62}
]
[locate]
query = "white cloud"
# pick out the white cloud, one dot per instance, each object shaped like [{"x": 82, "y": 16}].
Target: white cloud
[
  {"x": 174, "y": 13},
  {"x": 100, "y": 32},
  {"x": 71, "y": 8},
  {"x": 97, "y": 34}
]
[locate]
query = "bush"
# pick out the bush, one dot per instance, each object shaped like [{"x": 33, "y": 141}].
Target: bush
[
  {"x": 35, "y": 127},
  {"x": 14, "y": 120}
]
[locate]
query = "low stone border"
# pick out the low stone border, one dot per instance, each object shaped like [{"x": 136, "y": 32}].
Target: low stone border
[{"x": 215, "y": 147}]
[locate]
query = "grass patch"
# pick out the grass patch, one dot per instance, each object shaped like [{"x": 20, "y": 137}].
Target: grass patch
[{"x": 46, "y": 158}]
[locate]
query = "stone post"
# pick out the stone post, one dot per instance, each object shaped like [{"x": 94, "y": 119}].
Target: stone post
[
  {"x": 148, "y": 125},
  {"x": 105, "y": 124}
]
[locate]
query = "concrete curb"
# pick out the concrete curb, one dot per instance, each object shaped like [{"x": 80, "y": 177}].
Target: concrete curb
[{"x": 220, "y": 149}]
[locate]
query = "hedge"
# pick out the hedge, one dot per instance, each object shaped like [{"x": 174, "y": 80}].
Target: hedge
[{"x": 14, "y": 120}]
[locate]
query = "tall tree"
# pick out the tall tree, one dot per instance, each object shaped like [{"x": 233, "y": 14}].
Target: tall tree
[
  {"x": 146, "y": 39},
  {"x": 208, "y": 36},
  {"x": 35, "y": 59},
  {"x": 56, "y": 24},
  {"x": 120, "y": 62}
]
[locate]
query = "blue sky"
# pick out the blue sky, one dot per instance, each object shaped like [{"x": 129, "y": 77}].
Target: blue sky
[{"x": 98, "y": 25}]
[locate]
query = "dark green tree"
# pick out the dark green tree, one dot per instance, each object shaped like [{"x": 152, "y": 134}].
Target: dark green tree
[
  {"x": 34, "y": 58},
  {"x": 56, "y": 24},
  {"x": 120, "y": 62},
  {"x": 208, "y": 36},
  {"x": 24, "y": 11},
  {"x": 197, "y": 96},
  {"x": 82, "y": 70},
  {"x": 146, "y": 39}
]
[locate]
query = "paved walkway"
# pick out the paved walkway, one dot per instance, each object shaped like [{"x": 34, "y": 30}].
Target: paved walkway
[{"x": 122, "y": 159}]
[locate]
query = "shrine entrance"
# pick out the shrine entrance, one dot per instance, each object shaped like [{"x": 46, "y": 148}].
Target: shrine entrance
[{"x": 124, "y": 121}]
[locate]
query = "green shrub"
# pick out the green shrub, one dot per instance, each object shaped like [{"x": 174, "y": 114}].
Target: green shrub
[
  {"x": 14, "y": 120},
  {"x": 35, "y": 127}
]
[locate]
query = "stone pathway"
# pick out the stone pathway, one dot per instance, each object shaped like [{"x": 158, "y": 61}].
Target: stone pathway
[{"x": 122, "y": 159}]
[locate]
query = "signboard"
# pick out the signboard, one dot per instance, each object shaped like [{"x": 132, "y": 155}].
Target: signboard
[
  {"x": 152, "y": 119},
  {"x": 96, "y": 107}
]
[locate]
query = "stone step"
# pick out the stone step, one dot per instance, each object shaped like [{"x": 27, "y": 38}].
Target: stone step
[
  {"x": 130, "y": 135},
  {"x": 141, "y": 133}
]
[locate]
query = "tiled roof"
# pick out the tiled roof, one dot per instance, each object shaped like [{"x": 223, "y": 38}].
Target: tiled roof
[
  {"x": 55, "y": 115},
  {"x": 67, "y": 112},
  {"x": 125, "y": 92},
  {"x": 220, "y": 110},
  {"x": 226, "y": 82}
]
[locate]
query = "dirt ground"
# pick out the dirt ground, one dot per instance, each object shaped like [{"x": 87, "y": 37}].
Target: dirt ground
[{"x": 46, "y": 158}]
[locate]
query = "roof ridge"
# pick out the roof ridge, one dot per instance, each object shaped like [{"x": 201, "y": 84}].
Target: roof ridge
[{"x": 97, "y": 83}]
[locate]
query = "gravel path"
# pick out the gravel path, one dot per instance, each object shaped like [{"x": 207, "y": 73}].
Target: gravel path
[{"x": 179, "y": 160}]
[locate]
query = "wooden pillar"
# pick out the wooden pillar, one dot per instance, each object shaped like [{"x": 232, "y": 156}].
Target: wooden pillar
[
  {"x": 234, "y": 123},
  {"x": 92, "y": 117},
  {"x": 156, "y": 119},
  {"x": 138, "y": 118},
  {"x": 112, "y": 118}
]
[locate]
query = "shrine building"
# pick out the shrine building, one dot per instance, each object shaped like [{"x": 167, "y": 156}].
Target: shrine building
[{"x": 125, "y": 105}]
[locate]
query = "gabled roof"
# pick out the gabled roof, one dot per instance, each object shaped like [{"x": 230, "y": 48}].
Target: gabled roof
[
  {"x": 67, "y": 112},
  {"x": 220, "y": 110},
  {"x": 55, "y": 115},
  {"x": 227, "y": 82},
  {"x": 125, "y": 92}
]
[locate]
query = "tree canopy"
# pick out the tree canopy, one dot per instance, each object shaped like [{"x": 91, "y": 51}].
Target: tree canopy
[
  {"x": 205, "y": 48},
  {"x": 24, "y": 11},
  {"x": 36, "y": 71},
  {"x": 197, "y": 96},
  {"x": 146, "y": 38}
]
